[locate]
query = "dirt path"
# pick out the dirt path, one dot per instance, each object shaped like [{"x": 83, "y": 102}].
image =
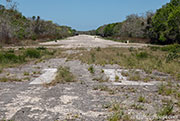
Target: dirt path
[
  {"x": 87, "y": 41},
  {"x": 84, "y": 100}
]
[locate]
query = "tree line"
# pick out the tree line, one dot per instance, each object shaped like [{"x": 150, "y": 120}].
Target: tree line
[
  {"x": 161, "y": 27},
  {"x": 15, "y": 27}
]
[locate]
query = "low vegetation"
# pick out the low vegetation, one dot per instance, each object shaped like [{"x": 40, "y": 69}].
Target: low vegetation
[
  {"x": 137, "y": 106},
  {"x": 172, "y": 90},
  {"x": 118, "y": 113},
  {"x": 147, "y": 59},
  {"x": 166, "y": 109},
  {"x": 63, "y": 76},
  {"x": 141, "y": 99},
  {"x": 116, "y": 78},
  {"x": 4, "y": 79},
  {"x": 10, "y": 57},
  {"x": 105, "y": 88},
  {"x": 91, "y": 70},
  {"x": 101, "y": 79}
]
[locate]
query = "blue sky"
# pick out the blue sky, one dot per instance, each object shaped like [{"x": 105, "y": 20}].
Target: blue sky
[{"x": 86, "y": 14}]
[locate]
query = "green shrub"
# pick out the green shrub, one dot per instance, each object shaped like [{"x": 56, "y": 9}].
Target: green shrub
[
  {"x": 171, "y": 56},
  {"x": 6, "y": 57},
  {"x": 98, "y": 49},
  {"x": 142, "y": 55},
  {"x": 165, "y": 24},
  {"x": 41, "y": 48},
  {"x": 32, "y": 53},
  {"x": 171, "y": 48},
  {"x": 10, "y": 51},
  {"x": 11, "y": 57},
  {"x": 33, "y": 37},
  {"x": 154, "y": 48}
]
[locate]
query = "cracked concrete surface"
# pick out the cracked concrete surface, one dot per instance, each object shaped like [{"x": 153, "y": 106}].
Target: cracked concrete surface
[{"x": 47, "y": 77}]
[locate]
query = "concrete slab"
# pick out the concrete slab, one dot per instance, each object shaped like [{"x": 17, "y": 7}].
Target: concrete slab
[
  {"x": 46, "y": 77},
  {"x": 112, "y": 73}
]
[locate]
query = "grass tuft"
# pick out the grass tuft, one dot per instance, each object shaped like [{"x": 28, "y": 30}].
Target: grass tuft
[
  {"x": 4, "y": 79},
  {"x": 142, "y": 99},
  {"x": 63, "y": 76},
  {"x": 118, "y": 114},
  {"x": 166, "y": 110},
  {"x": 91, "y": 70},
  {"x": 145, "y": 59}
]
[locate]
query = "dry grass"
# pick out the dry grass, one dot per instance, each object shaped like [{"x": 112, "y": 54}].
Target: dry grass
[
  {"x": 135, "y": 77},
  {"x": 4, "y": 79},
  {"x": 105, "y": 88},
  {"x": 166, "y": 109},
  {"x": 101, "y": 79},
  {"x": 63, "y": 76},
  {"x": 173, "y": 90},
  {"x": 118, "y": 113},
  {"x": 143, "y": 58}
]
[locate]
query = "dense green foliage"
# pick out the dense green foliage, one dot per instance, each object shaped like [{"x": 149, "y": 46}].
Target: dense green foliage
[
  {"x": 133, "y": 26},
  {"x": 10, "y": 57},
  {"x": 15, "y": 27},
  {"x": 166, "y": 24},
  {"x": 22, "y": 55},
  {"x": 163, "y": 27}
]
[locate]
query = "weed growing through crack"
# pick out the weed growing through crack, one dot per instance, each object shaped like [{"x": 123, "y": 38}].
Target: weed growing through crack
[
  {"x": 100, "y": 79},
  {"x": 119, "y": 114},
  {"x": 26, "y": 74},
  {"x": 91, "y": 70},
  {"x": 105, "y": 88},
  {"x": 165, "y": 90},
  {"x": 125, "y": 74},
  {"x": 166, "y": 109},
  {"x": 135, "y": 77},
  {"x": 116, "y": 78},
  {"x": 141, "y": 99},
  {"x": 102, "y": 71},
  {"x": 137, "y": 107}
]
